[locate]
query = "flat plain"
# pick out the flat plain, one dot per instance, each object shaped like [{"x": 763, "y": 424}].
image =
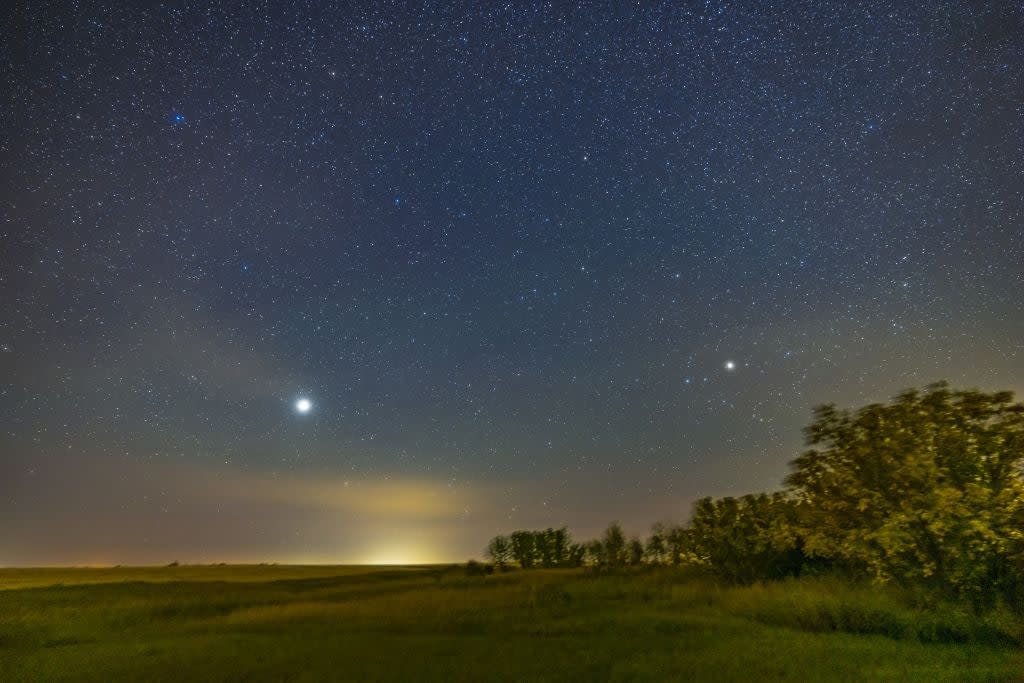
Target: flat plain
[{"x": 436, "y": 623}]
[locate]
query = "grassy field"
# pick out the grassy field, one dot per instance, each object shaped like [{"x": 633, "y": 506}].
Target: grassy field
[{"x": 279, "y": 623}]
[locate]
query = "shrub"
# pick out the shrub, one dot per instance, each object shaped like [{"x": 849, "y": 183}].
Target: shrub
[{"x": 474, "y": 568}]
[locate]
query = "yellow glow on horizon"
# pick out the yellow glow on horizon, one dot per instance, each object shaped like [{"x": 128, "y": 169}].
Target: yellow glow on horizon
[{"x": 398, "y": 555}]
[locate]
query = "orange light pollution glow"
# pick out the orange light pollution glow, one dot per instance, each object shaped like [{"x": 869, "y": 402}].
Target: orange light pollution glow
[{"x": 196, "y": 514}]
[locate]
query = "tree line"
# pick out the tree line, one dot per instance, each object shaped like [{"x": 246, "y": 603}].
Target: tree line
[{"x": 926, "y": 490}]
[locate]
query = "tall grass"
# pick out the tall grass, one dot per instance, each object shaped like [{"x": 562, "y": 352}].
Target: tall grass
[
  {"x": 439, "y": 624},
  {"x": 828, "y": 605}
]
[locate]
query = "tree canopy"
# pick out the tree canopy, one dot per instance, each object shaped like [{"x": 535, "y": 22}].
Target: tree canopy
[{"x": 925, "y": 490}]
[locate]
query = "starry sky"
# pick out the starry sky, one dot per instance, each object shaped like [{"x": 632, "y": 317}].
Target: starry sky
[{"x": 530, "y": 264}]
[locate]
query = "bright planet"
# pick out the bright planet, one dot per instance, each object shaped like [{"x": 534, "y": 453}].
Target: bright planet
[{"x": 657, "y": 340}]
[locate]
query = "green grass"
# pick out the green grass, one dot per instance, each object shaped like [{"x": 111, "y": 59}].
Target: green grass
[
  {"x": 261, "y": 573},
  {"x": 277, "y": 623}
]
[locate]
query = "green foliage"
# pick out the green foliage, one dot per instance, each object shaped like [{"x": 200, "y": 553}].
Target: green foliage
[
  {"x": 656, "y": 549},
  {"x": 676, "y": 540},
  {"x": 925, "y": 490},
  {"x": 577, "y": 554},
  {"x": 832, "y": 605},
  {"x": 547, "y": 548},
  {"x": 524, "y": 548},
  {"x": 499, "y": 551},
  {"x": 746, "y": 539},
  {"x": 553, "y": 546},
  {"x": 613, "y": 546},
  {"x": 636, "y": 552}
]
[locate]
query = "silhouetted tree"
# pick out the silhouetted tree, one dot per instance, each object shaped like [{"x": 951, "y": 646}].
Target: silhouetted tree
[
  {"x": 524, "y": 548},
  {"x": 546, "y": 548},
  {"x": 636, "y": 552},
  {"x": 613, "y": 542},
  {"x": 552, "y": 546},
  {"x": 595, "y": 555},
  {"x": 656, "y": 550},
  {"x": 675, "y": 541},
  {"x": 499, "y": 550},
  {"x": 577, "y": 555},
  {"x": 560, "y": 542}
]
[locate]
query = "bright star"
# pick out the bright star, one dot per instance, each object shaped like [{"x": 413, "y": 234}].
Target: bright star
[
  {"x": 303, "y": 405},
  {"x": 730, "y": 365}
]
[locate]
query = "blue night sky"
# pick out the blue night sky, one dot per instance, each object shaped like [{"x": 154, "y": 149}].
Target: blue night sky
[{"x": 530, "y": 264}]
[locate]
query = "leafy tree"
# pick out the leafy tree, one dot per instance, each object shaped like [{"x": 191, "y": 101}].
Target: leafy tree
[
  {"x": 560, "y": 541},
  {"x": 675, "y": 544},
  {"x": 545, "y": 548},
  {"x": 553, "y": 546},
  {"x": 746, "y": 539},
  {"x": 543, "y": 543},
  {"x": 594, "y": 553},
  {"x": 499, "y": 550},
  {"x": 613, "y": 542},
  {"x": 577, "y": 555},
  {"x": 924, "y": 489},
  {"x": 524, "y": 548},
  {"x": 656, "y": 550},
  {"x": 636, "y": 552}
]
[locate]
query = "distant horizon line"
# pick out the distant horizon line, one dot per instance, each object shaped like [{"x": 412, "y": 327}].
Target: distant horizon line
[{"x": 170, "y": 565}]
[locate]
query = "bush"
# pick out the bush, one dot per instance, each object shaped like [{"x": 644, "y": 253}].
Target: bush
[
  {"x": 746, "y": 539},
  {"x": 832, "y": 605},
  {"x": 474, "y": 568}
]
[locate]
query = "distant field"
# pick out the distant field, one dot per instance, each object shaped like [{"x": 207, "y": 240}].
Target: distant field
[
  {"x": 277, "y": 623},
  {"x": 52, "y": 576}
]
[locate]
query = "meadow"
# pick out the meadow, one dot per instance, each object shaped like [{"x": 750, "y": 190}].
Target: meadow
[{"x": 278, "y": 623}]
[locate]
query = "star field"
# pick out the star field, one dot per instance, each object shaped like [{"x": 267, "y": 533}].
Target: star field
[{"x": 529, "y": 263}]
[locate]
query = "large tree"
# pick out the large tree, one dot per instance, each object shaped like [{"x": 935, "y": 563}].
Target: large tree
[{"x": 924, "y": 489}]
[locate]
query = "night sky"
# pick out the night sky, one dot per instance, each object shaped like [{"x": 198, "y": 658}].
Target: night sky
[{"x": 530, "y": 264}]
